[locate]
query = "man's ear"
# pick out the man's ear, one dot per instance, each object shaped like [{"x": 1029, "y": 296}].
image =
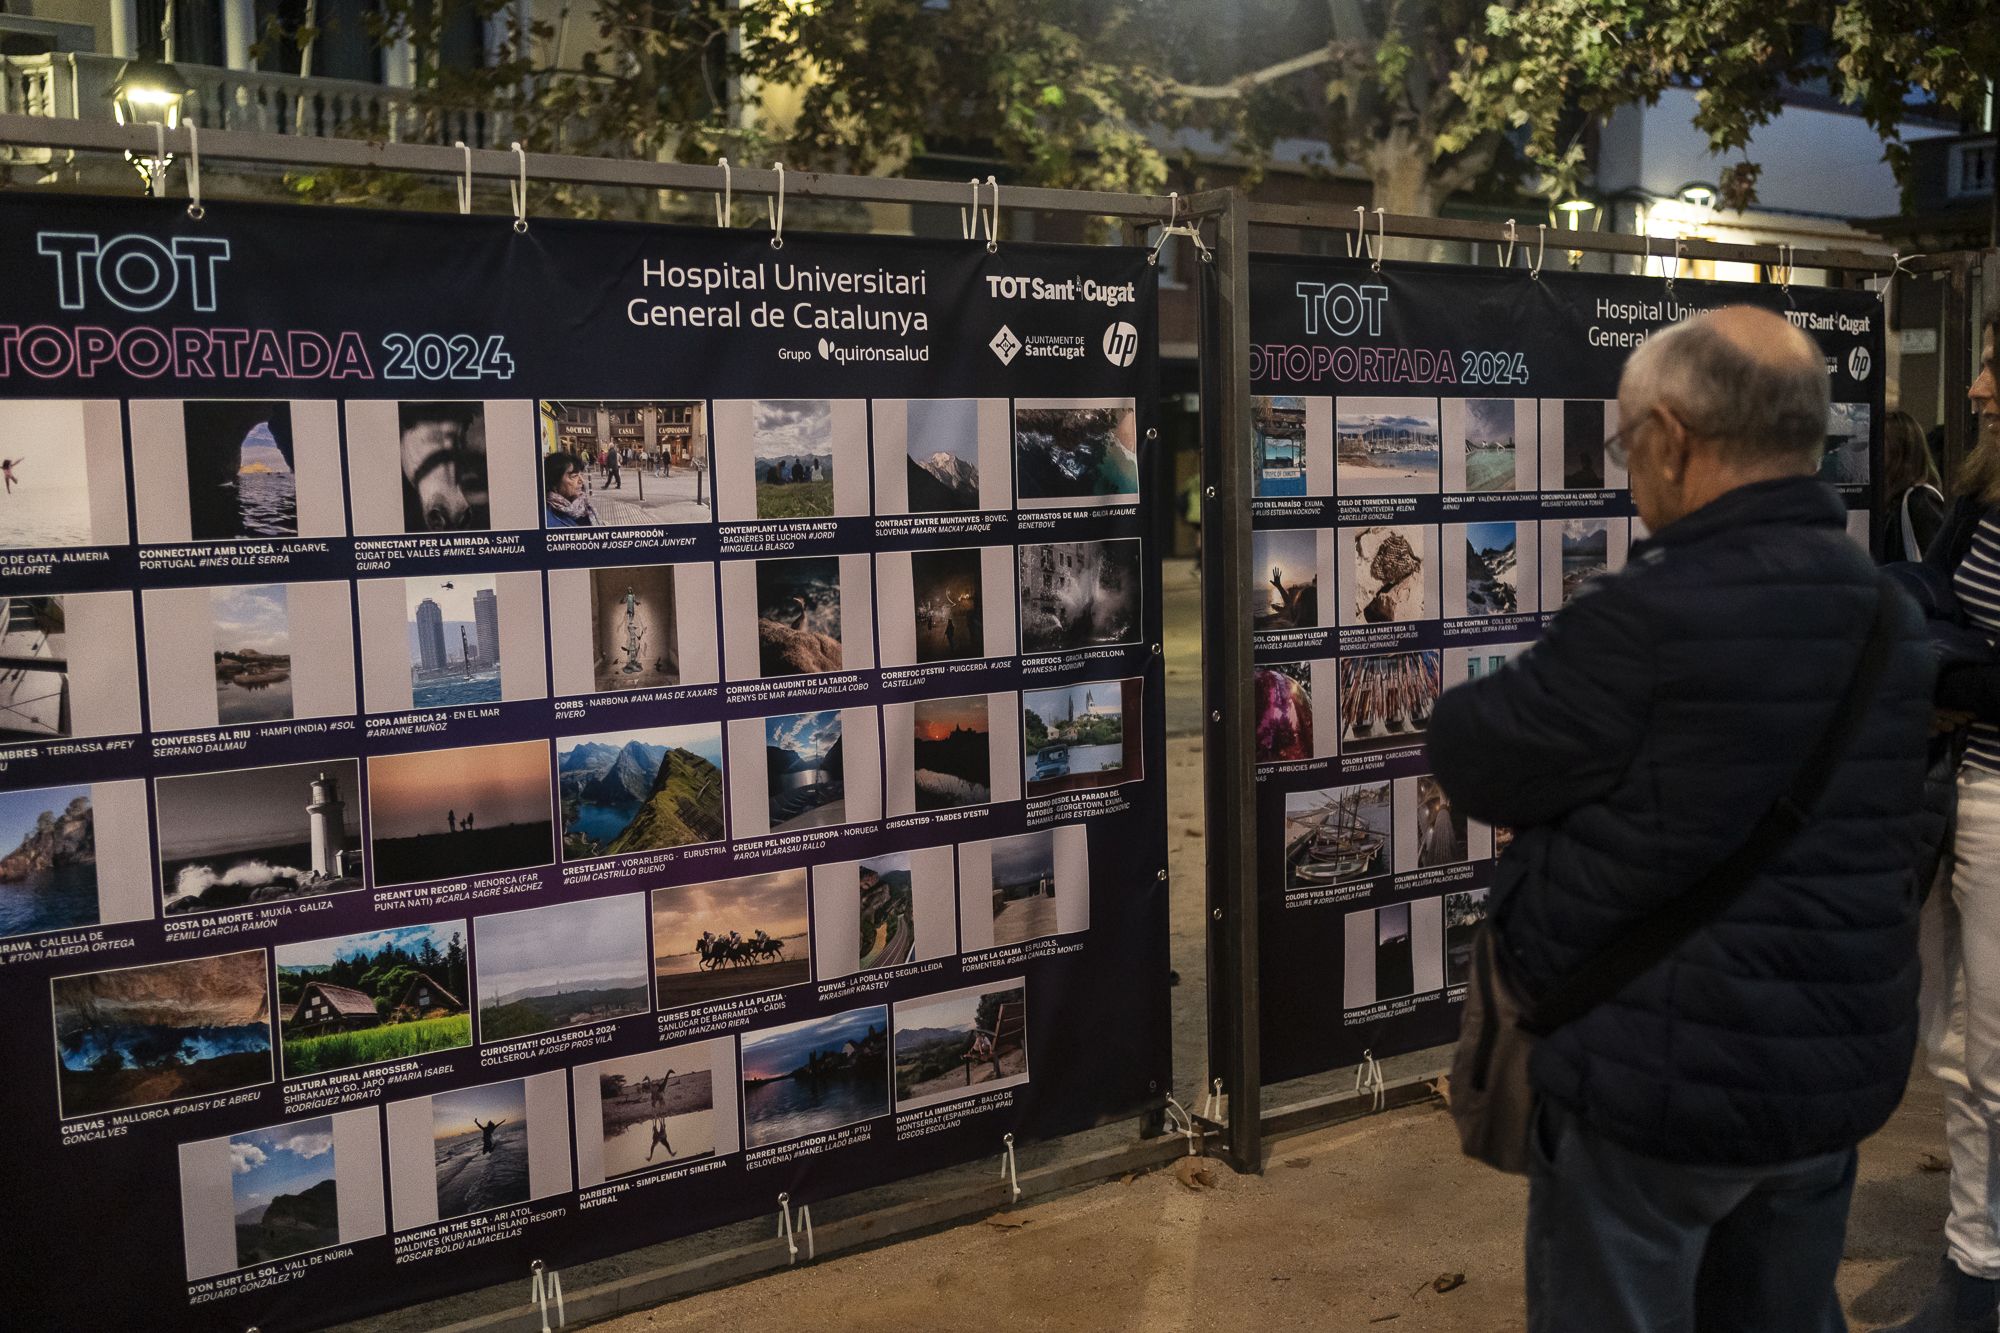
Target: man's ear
[{"x": 1674, "y": 445}]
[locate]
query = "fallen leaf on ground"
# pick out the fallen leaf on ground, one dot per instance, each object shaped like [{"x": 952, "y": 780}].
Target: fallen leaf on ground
[
  {"x": 1128, "y": 1177},
  {"x": 1444, "y": 1282},
  {"x": 1384, "y": 1318},
  {"x": 1298, "y": 1161},
  {"x": 1441, "y": 1088},
  {"x": 1193, "y": 1172},
  {"x": 1006, "y": 1221},
  {"x": 1930, "y": 1161}
]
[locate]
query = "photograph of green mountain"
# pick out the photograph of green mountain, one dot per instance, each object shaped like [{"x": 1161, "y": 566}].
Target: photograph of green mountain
[
  {"x": 961, "y": 1043},
  {"x": 283, "y": 1186},
  {"x": 555, "y": 967},
  {"x": 640, "y": 791}
]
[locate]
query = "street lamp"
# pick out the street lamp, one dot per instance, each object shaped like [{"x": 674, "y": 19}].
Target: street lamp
[
  {"x": 1570, "y": 214},
  {"x": 148, "y": 93},
  {"x": 1697, "y": 195}
]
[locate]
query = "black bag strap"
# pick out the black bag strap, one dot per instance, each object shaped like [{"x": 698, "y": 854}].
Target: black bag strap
[{"x": 1672, "y": 925}]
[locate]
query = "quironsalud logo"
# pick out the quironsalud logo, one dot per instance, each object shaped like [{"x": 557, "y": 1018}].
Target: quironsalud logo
[
  {"x": 1005, "y": 345},
  {"x": 825, "y": 350}
]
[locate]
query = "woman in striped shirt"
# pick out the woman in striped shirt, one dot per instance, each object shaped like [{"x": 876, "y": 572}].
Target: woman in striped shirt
[{"x": 1961, "y": 926}]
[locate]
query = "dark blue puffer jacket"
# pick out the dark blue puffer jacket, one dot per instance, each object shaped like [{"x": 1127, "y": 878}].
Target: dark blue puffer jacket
[{"x": 1632, "y": 748}]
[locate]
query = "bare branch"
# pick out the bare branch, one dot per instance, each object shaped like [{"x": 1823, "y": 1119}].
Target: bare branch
[{"x": 1244, "y": 83}]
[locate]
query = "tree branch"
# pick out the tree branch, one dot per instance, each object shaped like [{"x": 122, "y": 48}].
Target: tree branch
[{"x": 1243, "y": 83}]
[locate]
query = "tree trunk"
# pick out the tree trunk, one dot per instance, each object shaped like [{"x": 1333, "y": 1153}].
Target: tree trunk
[{"x": 1402, "y": 176}]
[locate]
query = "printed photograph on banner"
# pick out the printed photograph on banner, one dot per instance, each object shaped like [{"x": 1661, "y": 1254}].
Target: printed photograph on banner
[
  {"x": 451, "y": 641},
  {"x": 74, "y": 855},
  {"x": 228, "y": 470},
  {"x": 1463, "y": 664},
  {"x": 1285, "y": 569},
  {"x": 1337, "y": 835},
  {"x": 807, "y": 1078},
  {"x": 161, "y": 1032},
  {"x": 560, "y": 966},
  {"x": 1075, "y": 737},
  {"x": 940, "y": 754},
  {"x": 1490, "y": 445},
  {"x": 807, "y": 774},
  {"x": 1386, "y": 700},
  {"x": 804, "y": 770},
  {"x": 941, "y": 455},
  {"x": 1080, "y": 595},
  {"x": 624, "y": 464},
  {"x": 1393, "y": 952},
  {"x": 1286, "y": 728},
  {"x": 883, "y": 911},
  {"x": 730, "y": 937},
  {"x": 632, "y": 627},
  {"x": 640, "y": 1113},
  {"x": 1848, "y": 431},
  {"x": 248, "y": 836},
  {"x": 1490, "y": 569},
  {"x": 1464, "y": 912},
  {"x": 62, "y": 474},
  {"x": 1024, "y": 887},
  {"x": 72, "y": 667},
  {"x": 1075, "y": 451},
  {"x": 430, "y": 466},
  {"x": 1388, "y": 573},
  {"x": 472, "y": 1150},
  {"x": 961, "y": 1043},
  {"x": 947, "y": 605},
  {"x": 251, "y": 653},
  {"x": 268, "y": 1194},
  {"x": 1576, "y": 550},
  {"x": 441, "y": 814},
  {"x": 1573, "y": 434},
  {"x": 1278, "y": 445},
  {"x": 790, "y": 459},
  {"x": 1386, "y": 446},
  {"x": 796, "y": 616},
  {"x": 640, "y": 791},
  {"x": 377, "y": 995},
  {"x": 1430, "y": 831}
]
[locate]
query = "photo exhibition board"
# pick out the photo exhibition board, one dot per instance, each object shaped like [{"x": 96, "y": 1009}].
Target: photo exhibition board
[
  {"x": 522, "y": 746},
  {"x": 1431, "y": 486}
]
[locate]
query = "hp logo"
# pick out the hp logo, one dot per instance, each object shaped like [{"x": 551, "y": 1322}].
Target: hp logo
[{"x": 1121, "y": 344}]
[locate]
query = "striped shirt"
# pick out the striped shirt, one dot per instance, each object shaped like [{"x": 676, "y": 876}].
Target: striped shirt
[{"x": 1977, "y": 584}]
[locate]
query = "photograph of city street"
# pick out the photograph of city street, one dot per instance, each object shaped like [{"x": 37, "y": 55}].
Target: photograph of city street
[{"x": 637, "y": 463}]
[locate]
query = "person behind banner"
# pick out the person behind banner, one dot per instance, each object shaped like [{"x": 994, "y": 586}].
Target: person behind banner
[
  {"x": 1692, "y": 1152},
  {"x": 1913, "y": 501},
  {"x": 566, "y": 495}
]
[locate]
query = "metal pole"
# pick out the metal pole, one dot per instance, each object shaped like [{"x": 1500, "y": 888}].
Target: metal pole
[
  {"x": 1959, "y": 349},
  {"x": 1227, "y": 681}
]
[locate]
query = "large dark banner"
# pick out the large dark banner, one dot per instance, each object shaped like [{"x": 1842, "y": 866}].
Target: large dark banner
[
  {"x": 518, "y": 746},
  {"x": 1431, "y": 486}
]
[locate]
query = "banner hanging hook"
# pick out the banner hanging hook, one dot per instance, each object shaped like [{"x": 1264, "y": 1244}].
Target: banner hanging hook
[
  {"x": 464, "y": 182},
  {"x": 1541, "y": 239},
  {"x": 777, "y": 209},
  {"x": 1360, "y": 230},
  {"x": 1786, "y": 258},
  {"x": 968, "y": 223},
  {"x": 1507, "y": 261},
  {"x": 195, "y": 210},
  {"x": 993, "y": 219},
  {"x": 1173, "y": 217},
  {"x": 1381, "y": 241},
  {"x": 1646, "y": 252},
  {"x": 520, "y": 192},
  {"x": 725, "y": 203},
  {"x": 159, "y": 163},
  {"x": 1677, "y": 266}
]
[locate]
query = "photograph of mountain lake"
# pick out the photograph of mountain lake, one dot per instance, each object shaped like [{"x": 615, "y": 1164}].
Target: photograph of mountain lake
[
  {"x": 48, "y": 860},
  {"x": 943, "y": 447},
  {"x": 807, "y": 1077},
  {"x": 282, "y": 1185},
  {"x": 253, "y": 654},
  {"x": 657, "y": 1108},
  {"x": 136, "y": 1036},
  {"x": 555, "y": 967},
  {"x": 379, "y": 995},
  {"x": 259, "y": 835},
  {"x": 241, "y": 480},
  {"x": 792, "y": 443},
  {"x": 1586, "y": 552},
  {"x": 961, "y": 1043},
  {"x": 730, "y": 937},
  {"x": 479, "y": 1145},
  {"x": 640, "y": 791},
  {"x": 954, "y": 752},
  {"x": 1488, "y": 443},
  {"x": 1069, "y": 452},
  {"x": 439, "y": 814},
  {"x": 804, "y": 765}
]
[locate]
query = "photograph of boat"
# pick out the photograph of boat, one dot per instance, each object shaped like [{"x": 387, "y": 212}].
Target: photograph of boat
[{"x": 1337, "y": 835}]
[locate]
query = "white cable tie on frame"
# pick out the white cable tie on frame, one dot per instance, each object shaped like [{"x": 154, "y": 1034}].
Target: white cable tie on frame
[
  {"x": 195, "y": 210},
  {"x": 806, "y": 1218},
  {"x": 547, "y": 1284},
  {"x": 1008, "y": 1172},
  {"x": 785, "y": 1227},
  {"x": 464, "y": 182},
  {"x": 1541, "y": 239},
  {"x": 1182, "y": 1123},
  {"x": 1211, "y": 1105},
  {"x": 777, "y": 209},
  {"x": 1381, "y": 241},
  {"x": 968, "y": 223},
  {"x": 1173, "y": 216},
  {"x": 993, "y": 218},
  {"x": 520, "y": 191},
  {"x": 159, "y": 181},
  {"x": 1508, "y": 261},
  {"x": 1677, "y": 265},
  {"x": 1360, "y": 236},
  {"x": 1646, "y": 252},
  {"x": 725, "y": 203},
  {"x": 1368, "y": 1081}
]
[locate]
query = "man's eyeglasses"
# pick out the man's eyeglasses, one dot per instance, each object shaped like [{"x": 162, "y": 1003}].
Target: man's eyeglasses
[{"x": 1617, "y": 445}]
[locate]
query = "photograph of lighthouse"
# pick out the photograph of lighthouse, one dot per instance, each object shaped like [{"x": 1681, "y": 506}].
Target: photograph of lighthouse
[
  {"x": 438, "y": 814},
  {"x": 259, "y": 835},
  {"x": 1386, "y": 446},
  {"x": 241, "y": 479},
  {"x": 454, "y": 633}
]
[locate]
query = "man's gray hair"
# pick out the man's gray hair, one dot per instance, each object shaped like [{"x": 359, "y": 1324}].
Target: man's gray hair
[{"x": 1767, "y": 400}]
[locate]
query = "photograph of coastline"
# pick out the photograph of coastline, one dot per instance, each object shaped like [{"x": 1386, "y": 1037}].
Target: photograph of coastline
[
  {"x": 231, "y": 470},
  {"x": 942, "y": 455},
  {"x": 247, "y": 836},
  {"x": 953, "y": 604},
  {"x": 1491, "y": 445},
  {"x": 632, "y": 627},
  {"x": 451, "y": 641},
  {"x": 660, "y": 1108},
  {"x": 389, "y": 994},
  {"x": 560, "y": 966},
  {"x": 631, "y": 464},
  {"x": 1576, "y": 550},
  {"x": 1573, "y": 434},
  {"x": 247, "y": 654},
  {"x": 1285, "y": 568},
  {"x": 806, "y": 1078},
  {"x": 804, "y": 770},
  {"x": 730, "y": 937},
  {"x": 74, "y": 855},
  {"x": 1338, "y": 835},
  {"x": 640, "y": 791},
  {"x": 73, "y": 667},
  {"x": 1388, "y": 572},
  {"x": 1075, "y": 737},
  {"x": 1848, "y": 436},
  {"x": 1024, "y": 887},
  {"x": 442, "y": 814},
  {"x": 790, "y": 459},
  {"x": 269, "y": 1194},
  {"x": 471, "y": 1150},
  {"x": 796, "y": 616},
  {"x": 161, "y": 1032},
  {"x": 1386, "y": 699},
  {"x": 62, "y": 474},
  {"x": 422, "y": 467},
  {"x": 883, "y": 911},
  {"x": 1076, "y": 451},
  {"x": 1386, "y": 446},
  {"x": 1080, "y": 594},
  {"x": 961, "y": 1043},
  {"x": 1392, "y": 952}
]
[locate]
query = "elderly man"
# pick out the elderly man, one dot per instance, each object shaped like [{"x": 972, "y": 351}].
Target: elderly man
[{"x": 1694, "y": 1150}]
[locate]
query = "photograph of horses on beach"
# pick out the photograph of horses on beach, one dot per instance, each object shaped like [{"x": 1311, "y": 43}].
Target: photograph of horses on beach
[{"x": 730, "y": 937}]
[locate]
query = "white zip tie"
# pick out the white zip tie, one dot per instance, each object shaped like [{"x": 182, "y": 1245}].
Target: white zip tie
[
  {"x": 520, "y": 192},
  {"x": 1899, "y": 263},
  {"x": 1381, "y": 241},
  {"x": 547, "y": 1282},
  {"x": 195, "y": 210},
  {"x": 1508, "y": 260},
  {"x": 159, "y": 164},
  {"x": 791, "y": 1237},
  {"x": 968, "y": 223},
  {"x": 1785, "y": 265},
  {"x": 1368, "y": 1079},
  {"x": 1360, "y": 230},
  {"x": 1173, "y": 227},
  {"x": 1211, "y": 1105},
  {"x": 725, "y": 203},
  {"x": 1007, "y": 1168},
  {"x": 464, "y": 182},
  {"x": 1677, "y": 266},
  {"x": 777, "y": 209},
  {"x": 1541, "y": 239},
  {"x": 1180, "y": 1122},
  {"x": 993, "y": 219},
  {"x": 1646, "y": 256}
]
